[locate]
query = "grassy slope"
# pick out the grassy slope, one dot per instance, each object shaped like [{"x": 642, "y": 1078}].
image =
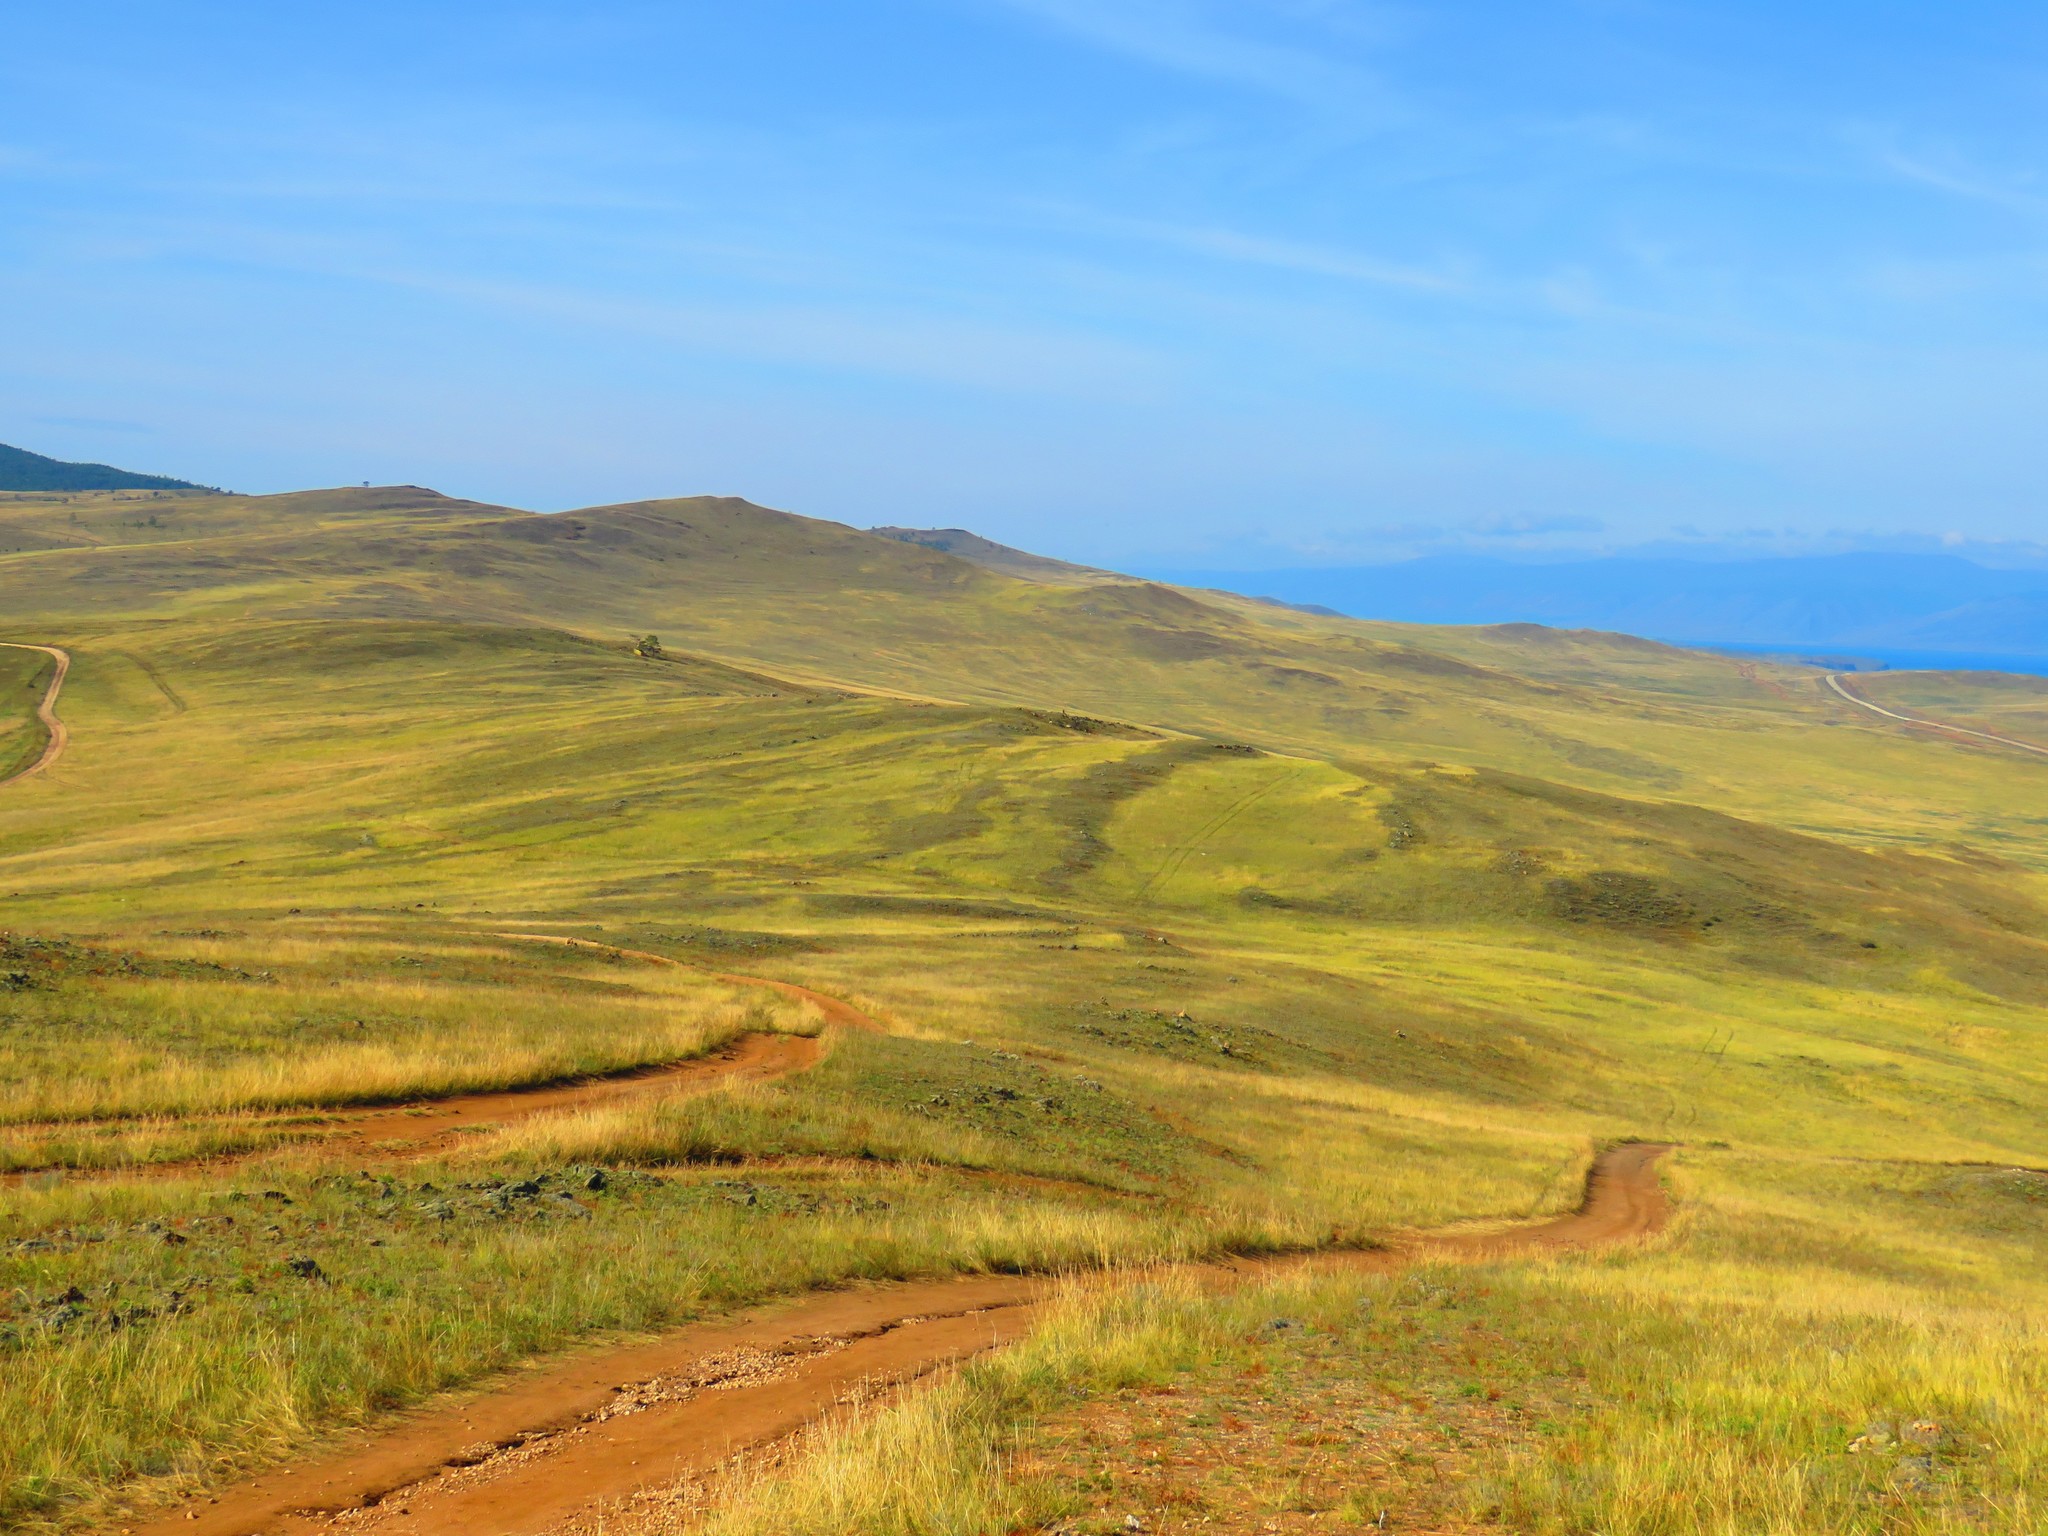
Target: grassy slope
[
  {"x": 1999, "y": 702},
  {"x": 24, "y": 679},
  {"x": 807, "y": 599},
  {"x": 1487, "y": 895}
]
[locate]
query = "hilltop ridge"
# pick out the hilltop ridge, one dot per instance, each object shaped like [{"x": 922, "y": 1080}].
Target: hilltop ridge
[
  {"x": 819, "y": 603},
  {"x": 998, "y": 557}
]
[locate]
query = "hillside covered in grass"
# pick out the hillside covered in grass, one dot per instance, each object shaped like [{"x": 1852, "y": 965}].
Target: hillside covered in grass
[{"x": 1191, "y": 925}]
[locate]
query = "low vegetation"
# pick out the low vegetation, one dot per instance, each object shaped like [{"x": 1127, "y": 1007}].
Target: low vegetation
[
  {"x": 1870, "y": 1375},
  {"x": 1188, "y": 927}
]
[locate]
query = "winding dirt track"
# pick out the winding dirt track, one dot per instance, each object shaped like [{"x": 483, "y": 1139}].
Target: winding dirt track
[
  {"x": 402, "y": 1132},
  {"x": 59, "y": 733},
  {"x": 578, "y": 1440}
]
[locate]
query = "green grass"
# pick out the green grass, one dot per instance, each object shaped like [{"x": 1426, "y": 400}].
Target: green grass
[
  {"x": 24, "y": 680},
  {"x": 1726, "y": 1381},
  {"x": 1293, "y": 932},
  {"x": 212, "y": 1351},
  {"x": 2002, "y": 703},
  {"x": 97, "y": 1034}
]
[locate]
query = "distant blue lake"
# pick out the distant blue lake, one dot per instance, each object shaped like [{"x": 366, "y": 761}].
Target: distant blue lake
[{"x": 1864, "y": 658}]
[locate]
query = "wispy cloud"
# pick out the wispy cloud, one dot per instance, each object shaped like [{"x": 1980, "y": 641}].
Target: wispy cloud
[
  {"x": 1188, "y": 38},
  {"x": 1287, "y": 255},
  {"x": 919, "y": 346},
  {"x": 1946, "y": 173}
]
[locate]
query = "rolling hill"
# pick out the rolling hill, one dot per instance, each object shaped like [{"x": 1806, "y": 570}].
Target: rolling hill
[{"x": 1189, "y": 927}]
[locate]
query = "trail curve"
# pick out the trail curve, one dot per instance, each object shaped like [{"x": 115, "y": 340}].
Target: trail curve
[
  {"x": 58, "y": 734},
  {"x": 836, "y": 1010},
  {"x": 401, "y": 1132},
  {"x": 571, "y": 1442},
  {"x": 1834, "y": 681}
]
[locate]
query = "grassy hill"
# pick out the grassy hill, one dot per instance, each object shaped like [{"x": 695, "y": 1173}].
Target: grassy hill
[
  {"x": 815, "y": 600},
  {"x": 1195, "y": 925}
]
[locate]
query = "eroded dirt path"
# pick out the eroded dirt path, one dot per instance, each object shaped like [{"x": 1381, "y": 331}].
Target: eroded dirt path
[
  {"x": 585, "y": 1437},
  {"x": 401, "y": 1132},
  {"x": 59, "y": 735}
]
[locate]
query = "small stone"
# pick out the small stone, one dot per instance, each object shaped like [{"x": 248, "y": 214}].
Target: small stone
[
  {"x": 1133, "y": 1523},
  {"x": 1282, "y": 1324},
  {"x": 306, "y": 1269},
  {"x": 525, "y": 1189},
  {"x": 1923, "y": 1434},
  {"x": 596, "y": 1181}
]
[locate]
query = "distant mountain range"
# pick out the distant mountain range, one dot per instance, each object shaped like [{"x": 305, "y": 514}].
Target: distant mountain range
[
  {"x": 21, "y": 470},
  {"x": 1881, "y": 601}
]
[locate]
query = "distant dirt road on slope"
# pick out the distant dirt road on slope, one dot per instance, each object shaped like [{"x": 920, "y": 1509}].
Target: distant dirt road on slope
[
  {"x": 59, "y": 736},
  {"x": 565, "y": 1449},
  {"x": 1834, "y": 681}
]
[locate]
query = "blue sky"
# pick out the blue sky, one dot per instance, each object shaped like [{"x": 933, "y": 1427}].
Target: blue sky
[{"x": 1203, "y": 282}]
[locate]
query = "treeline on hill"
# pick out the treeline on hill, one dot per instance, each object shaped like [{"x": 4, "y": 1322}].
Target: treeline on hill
[{"x": 21, "y": 470}]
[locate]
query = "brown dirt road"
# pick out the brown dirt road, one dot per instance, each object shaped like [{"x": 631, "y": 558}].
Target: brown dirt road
[
  {"x": 584, "y": 1436},
  {"x": 59, "y": 733},
  {"x": 401, "y": 1132}
]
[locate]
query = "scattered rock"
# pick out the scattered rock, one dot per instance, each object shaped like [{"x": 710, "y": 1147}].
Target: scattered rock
[
  {"x": 596, "y": 1181},
  {"x": 1282, "y": 1324},
  {"x": 306, "y": 1269},
  {"x": 1923, "y": 1435}
]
